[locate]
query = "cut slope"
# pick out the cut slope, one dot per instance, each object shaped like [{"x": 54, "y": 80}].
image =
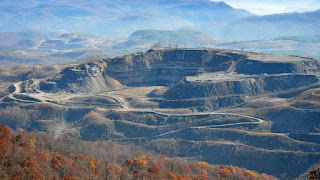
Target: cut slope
[
  {"x": 166, "y": 67},
  {"x": 207, "y": 85}
]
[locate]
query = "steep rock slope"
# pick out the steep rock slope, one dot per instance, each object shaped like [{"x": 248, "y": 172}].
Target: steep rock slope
[
  {"x": 166, "y": 67},
  {"x": 214, "y": 91},
  {"x": 224, "y": 84},
  {"x": 88, "y": 77}
]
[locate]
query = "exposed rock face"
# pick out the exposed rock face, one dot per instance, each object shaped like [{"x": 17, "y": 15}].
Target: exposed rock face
[
  {"x": 88, "y": 77},
  {"x": 167, "y": 67},
  {"x": 276, "y": 64},
  {"x": 223, "y": 85},
  {"x": 268, "y": 115},
  {"x": 214, "y": 91}
]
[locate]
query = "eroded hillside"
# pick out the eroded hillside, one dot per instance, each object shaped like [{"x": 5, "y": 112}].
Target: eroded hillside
[
  {"x": 224, "y": 106},
  {"x": 166, "y": 68}
]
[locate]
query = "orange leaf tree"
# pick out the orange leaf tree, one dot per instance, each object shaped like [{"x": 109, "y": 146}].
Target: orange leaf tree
[
  {"x": 32, "y": 168},
  {"x": 5, "y": 143}
]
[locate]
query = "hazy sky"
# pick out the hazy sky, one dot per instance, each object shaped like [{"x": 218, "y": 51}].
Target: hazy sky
[{"x": 262, "y": 7}]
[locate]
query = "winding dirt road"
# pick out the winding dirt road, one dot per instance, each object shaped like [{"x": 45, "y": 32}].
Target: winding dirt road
[{"x": 125, "y": 106}]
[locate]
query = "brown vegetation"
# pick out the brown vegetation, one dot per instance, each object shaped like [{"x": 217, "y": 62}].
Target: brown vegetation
[{"x": 38, "y": 156}]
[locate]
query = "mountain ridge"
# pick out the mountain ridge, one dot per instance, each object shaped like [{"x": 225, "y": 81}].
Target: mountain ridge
[
  {"x": 145, "y": 67},
  {"x": 58, "y": 15},
  {"x": 264, "y": 26}
]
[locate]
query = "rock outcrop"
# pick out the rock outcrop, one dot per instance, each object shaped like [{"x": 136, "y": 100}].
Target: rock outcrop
[
  {"x": 208, "y": 85},
  {"x": 88, "y": 77},
  {"x": 166, "y": 67}
]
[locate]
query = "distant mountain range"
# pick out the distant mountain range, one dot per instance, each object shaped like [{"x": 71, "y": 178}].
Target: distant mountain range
[
  {"x": 123, "y": 17},
  {"x": 303, "y": 46},
  {"x": 264, "y": 27},
  {"x": 112, "y": 17}
]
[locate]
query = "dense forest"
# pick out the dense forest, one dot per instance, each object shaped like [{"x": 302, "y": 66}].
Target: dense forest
[{"x": 37, "y": 155}]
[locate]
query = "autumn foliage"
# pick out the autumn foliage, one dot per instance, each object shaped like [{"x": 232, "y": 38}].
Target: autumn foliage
[
  {"x": 37, "y": 156},
  {"x": 5, "y": 144}
]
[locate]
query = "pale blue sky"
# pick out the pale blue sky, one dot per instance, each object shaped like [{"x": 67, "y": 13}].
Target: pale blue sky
[{"x": 262, "y": 7}]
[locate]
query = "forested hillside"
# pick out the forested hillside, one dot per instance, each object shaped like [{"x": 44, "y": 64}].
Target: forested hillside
[{"x": 31, "y": 155}]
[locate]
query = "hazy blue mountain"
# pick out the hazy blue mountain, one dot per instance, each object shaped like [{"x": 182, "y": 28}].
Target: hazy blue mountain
[
  {"x": 112, "y": 17},
  {"x": 144, "y": 39},
  {"x": 265, "y": 27},
  {"x": 11, "y": 38},
  {"x": 123, "y": 17}
]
